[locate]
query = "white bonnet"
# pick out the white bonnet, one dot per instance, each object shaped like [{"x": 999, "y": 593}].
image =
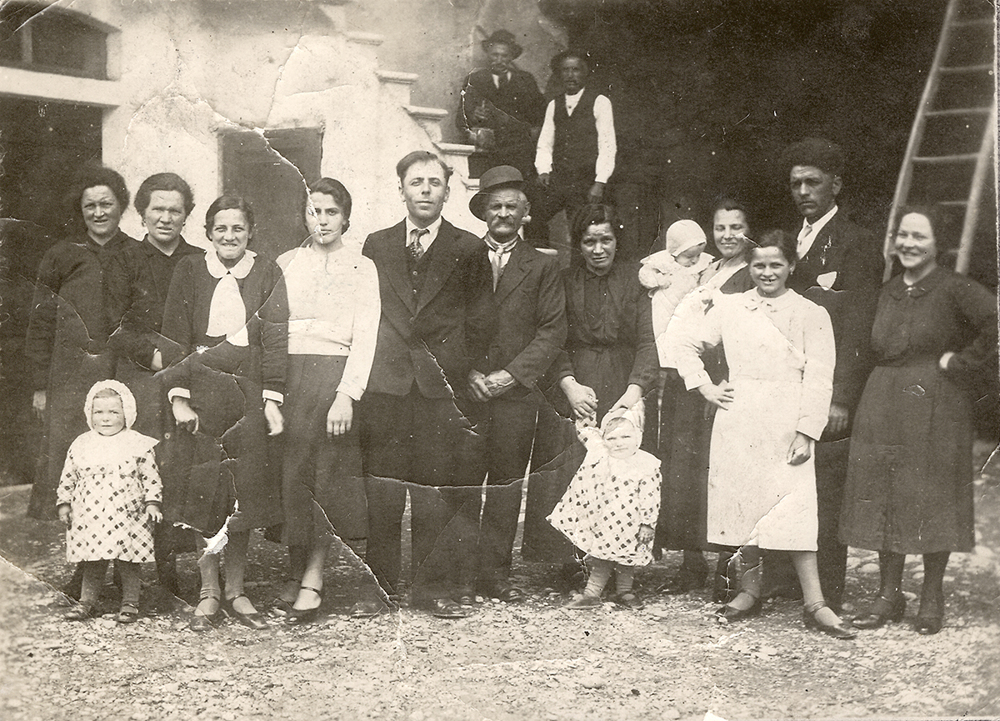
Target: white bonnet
[
  {"x": 636, "y": 415},
  {"x": 128, "y": 400},
  {"x": 683, "y": 235}
]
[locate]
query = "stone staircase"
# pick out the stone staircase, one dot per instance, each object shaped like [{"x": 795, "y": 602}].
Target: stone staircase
[{"x": 414, "y": 127}]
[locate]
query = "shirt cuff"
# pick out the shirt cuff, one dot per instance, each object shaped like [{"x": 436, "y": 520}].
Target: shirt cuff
[
  {"x": 278, "y": 398},
  {"x": 351, "y": 390},
  {"x": 697, "y": 380},
  {"x": 178, "y": 393}
]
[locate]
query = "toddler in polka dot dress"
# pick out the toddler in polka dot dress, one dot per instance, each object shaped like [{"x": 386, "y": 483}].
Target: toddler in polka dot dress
[
  {"x": 109, "y": 497},
  {"x": 610, "y": 507}
]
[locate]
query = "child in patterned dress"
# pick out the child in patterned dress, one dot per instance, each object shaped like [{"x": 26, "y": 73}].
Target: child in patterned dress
[
  {"x": 109, "y": 497},
  {"x": 610, "y": 507}
]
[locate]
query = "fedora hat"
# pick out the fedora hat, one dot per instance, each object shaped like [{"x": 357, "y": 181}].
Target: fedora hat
[
  {"x": 502, "y": 176},
  {"x": 503, "y": 36}
]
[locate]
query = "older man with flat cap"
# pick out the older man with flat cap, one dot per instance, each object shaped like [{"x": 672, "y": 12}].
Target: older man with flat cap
[
  {"x": 530, "y": 330},
  {"x": 501, "y": 109}
]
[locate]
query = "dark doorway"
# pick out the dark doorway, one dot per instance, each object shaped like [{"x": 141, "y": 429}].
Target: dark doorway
[{"x": 269, "y": 172}]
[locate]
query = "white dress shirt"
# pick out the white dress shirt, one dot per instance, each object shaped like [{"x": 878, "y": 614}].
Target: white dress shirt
[
  {"x": 805, "y": 242},
  {"x": 427, "y": 238}
]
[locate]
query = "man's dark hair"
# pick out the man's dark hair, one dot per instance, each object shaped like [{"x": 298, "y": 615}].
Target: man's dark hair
[
  {"x": 420, "y": 156},
  {"x": 556, "y": 63},
  {"x": 815, "y": 153}
]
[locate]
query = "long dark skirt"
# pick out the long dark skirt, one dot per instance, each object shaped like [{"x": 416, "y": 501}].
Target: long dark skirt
[
  {"x": 909, "y": 480},
  {"x": 682, "y": 424},
  {"x": 230, "y": 458},
  {"x": 321, "y": 476}
]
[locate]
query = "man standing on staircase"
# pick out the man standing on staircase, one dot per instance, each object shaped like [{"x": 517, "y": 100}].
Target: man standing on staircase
[
  {"x": 576, "y": 148},
  {"x": 840, "y": 268},
  {"x": 501, "y": 110}
]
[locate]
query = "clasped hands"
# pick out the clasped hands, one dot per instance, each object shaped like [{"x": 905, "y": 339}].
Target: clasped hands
[{"x": 485, "y": 387}]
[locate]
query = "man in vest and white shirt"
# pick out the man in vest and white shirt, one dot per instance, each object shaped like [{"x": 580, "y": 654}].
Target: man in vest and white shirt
[{"x": 576, "y": 148}]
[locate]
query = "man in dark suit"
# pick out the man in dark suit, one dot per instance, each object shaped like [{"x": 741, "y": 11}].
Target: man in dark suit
[
  {"x": 840, "y": 268},
  {"x": 435, "y": 285},
  {"x": 530, "y": 330},
  {"x": 501, "y": 109}
]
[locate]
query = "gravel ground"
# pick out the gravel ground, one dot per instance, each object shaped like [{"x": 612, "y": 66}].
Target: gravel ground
[{"x": 529, "y": 661}]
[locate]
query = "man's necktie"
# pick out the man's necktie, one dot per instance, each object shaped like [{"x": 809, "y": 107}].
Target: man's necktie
[
  {"x": 804, "y": 235},
  {"x": 416, "y": 250}
]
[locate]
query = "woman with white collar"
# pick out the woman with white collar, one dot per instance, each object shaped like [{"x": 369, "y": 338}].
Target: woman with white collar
[{"x": 227, "y": 313}]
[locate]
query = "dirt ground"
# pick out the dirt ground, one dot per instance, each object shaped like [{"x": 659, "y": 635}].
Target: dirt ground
[{"x": 529, "y": 661}]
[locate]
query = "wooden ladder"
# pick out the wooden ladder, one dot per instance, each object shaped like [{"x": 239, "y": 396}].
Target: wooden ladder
[{"x": 949, "y": 157}]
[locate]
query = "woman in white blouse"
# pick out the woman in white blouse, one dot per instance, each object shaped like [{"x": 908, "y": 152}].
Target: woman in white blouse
[{"x": 334, "y": 309}]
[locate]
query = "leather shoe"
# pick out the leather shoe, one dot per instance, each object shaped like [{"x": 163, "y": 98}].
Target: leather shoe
[
  {"x": 250, "y": 620},
  {"x": 506, "y": 592},
  {"x": 930, "y": 617},
  {"x": 304, "y": 615},
  {"x": 840, "y": 631},
  {"x": 368, "y": 609},
  {"x": 444, "y": 608},
  {"x": 201, "y": 622},
  {"x": 883, "y": 611},
  {"x": 731, "y": 614}
]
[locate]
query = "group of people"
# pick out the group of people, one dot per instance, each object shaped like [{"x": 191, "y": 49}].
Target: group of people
[{"x": 768, "y": 402}]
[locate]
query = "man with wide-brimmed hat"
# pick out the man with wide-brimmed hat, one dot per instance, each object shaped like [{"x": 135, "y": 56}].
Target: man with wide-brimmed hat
[
  {"x": 530, "y": 329},
  {"x": 501, "y": 109}
]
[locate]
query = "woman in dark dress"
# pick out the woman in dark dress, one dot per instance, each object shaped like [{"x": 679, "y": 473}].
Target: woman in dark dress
[
  {"x": 66, "y": 343},
  {"x": 609, "y": 362},
  {"x": 227, "y": 313},
  {"x": 684, "y": 419},
  {"x": 909, "y": 482}
]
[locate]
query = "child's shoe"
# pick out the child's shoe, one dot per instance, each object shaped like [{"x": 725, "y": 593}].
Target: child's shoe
[
  {"x": 128, "y": 613},
  {"x": 629, "y": 600},
  {"x": 583, "y": 601}
]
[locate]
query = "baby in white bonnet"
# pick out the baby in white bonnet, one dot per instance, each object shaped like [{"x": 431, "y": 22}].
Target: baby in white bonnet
[{"x": 672, "y": 273}]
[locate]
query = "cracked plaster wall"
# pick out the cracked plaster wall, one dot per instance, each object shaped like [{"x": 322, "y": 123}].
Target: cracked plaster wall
[{"x": 189, "y": 70}]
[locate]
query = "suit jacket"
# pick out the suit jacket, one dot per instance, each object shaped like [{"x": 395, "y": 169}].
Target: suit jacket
[
  {"x": 530, "y": 319},
  {"x": 854, "y": 254},
  {"x": 514, "y": 109},
  {"x": 443, "y": 327}
]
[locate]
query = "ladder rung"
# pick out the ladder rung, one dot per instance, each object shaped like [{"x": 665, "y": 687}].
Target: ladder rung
[
  {"x": 951, "y": 203},
  {"x": 946, "y": 158},
  {"x": 958, "y": 111},
  {"x": 966, "y": 68},
  {"x": 973, "y": 22}
]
